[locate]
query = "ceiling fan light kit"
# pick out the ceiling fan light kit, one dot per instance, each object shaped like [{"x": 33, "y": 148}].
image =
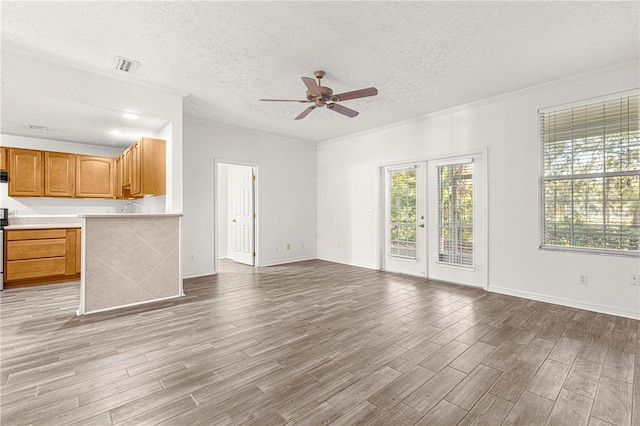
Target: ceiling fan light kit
[{"x": 322, "y": 96}]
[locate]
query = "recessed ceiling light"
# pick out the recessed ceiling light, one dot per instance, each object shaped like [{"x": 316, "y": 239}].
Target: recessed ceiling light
[
  {"x": 130, "y": 116},
  {"x": 116, "y": 133}
]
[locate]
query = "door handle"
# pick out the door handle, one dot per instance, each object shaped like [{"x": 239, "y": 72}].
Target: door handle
[{"x": 421, "y": 225}]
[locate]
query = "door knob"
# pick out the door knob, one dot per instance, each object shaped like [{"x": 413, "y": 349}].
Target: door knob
[{"x": 234, "y": 221}]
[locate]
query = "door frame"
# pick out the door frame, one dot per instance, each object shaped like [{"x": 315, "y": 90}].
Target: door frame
[
  {"x": 380, "y": 213},
  {"x": 256, "y": 208}
]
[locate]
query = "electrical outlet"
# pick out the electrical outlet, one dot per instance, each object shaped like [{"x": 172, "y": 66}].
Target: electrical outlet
[
  {"x": 635, "y": 279},
  {"x": 302, "y": 245},
  {"x": 192, "y": 257},
  {"x": 288, "y": 246},
  {"x": 583, "y": 279}
]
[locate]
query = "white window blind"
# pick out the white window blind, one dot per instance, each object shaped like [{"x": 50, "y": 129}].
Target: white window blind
[
  {"x": 591, "y": 176},
  {"x": 455, "y": 214},
  {"x": 402, "y": 215}
]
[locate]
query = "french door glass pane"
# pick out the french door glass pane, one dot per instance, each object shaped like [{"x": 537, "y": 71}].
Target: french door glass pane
[
  {"x": 455, "y": 214},
  {"x": 402, "y": 213}
]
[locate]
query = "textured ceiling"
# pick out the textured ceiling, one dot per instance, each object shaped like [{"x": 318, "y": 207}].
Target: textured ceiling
[
  {"x": 422, "y": 56},
  {"x": 71, "y": 121}
]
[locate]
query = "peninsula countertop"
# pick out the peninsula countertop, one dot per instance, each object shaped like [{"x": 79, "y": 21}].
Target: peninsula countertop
[
  {"x": 43, "y": 222},
  {"x": 116, "y": 215},
  {"x": 71, "y": 221}
]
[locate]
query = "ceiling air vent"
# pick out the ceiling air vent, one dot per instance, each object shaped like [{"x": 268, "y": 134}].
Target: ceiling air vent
[
  {"x": 126, "y": 65},
  {"x": 38, "y": 128}
]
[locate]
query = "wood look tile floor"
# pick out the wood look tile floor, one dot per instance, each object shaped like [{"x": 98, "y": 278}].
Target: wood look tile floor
[{"x": 315, "y": 343}]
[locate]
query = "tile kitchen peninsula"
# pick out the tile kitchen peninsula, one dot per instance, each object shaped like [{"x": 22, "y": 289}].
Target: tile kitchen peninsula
[{"x": 129, "y": 259}]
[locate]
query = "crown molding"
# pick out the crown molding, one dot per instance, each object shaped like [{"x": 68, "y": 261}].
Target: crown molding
[
  {"x": 210, "y": 123},
  {"x": 127, "y": 79},
  {"x": 634, "y": 64}
]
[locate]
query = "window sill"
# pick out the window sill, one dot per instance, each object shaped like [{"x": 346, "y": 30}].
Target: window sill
[{"x": 601, "y": 252}]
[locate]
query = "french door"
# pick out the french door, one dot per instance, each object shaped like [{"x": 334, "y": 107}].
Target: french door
[
  {"x": 434, "y": 221},
  {"x": 405, "y": 224}
]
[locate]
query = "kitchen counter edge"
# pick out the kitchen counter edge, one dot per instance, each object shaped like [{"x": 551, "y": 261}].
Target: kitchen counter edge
[{"x": 116, "y": 215}]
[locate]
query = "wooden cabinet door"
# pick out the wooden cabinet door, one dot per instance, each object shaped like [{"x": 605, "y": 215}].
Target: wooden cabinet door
[
  {"x": 3, "y": 158},
  {"x": 136, "y": 168},
  {"x": 25, "y": 173},
  {"x": 126, "y": 168},
  {"x": 148, "y": 167},
  {"x": 78, "y": 250},
  {"x": 119, "y": 177},
  {"x": 95, "y": 177},
  {"x": 59, "y": 174}
]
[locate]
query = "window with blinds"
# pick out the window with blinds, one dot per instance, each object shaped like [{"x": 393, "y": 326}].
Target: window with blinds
[
  {"x": 402, "y": 214},
  {"x": 591, "y": 177},
  {"x": 455, "y": 214}
]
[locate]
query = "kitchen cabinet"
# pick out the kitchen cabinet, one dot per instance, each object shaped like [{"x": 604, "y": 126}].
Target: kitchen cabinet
[
  {"x": 25, "y": 173},
  {"x": 148, "y": 167},
  {"x": 126, "y": 168},
  {"x": 41, "y": 256},
  {"x": 95, "y": 177},
  {"x": 119, "y": 163},
  {"x": 78, "y": 248},
  {"x": 3, "y": 158},
  {"x": 59, "y": 174}
]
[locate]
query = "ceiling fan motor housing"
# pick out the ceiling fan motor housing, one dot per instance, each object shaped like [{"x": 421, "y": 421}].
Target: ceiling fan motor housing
[{"x": 326, "y": 93}]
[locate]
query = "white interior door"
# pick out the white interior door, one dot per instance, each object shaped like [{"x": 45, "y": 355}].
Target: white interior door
[
  {"x": 405, "y": 249},
  {"x": 243, "y": 216},
  {"x": 456, "y": 224}
]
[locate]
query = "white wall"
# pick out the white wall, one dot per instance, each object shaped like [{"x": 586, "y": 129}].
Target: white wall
[
  {"x": 508, "y": 127},
  {"x": 286, "y": 185}
]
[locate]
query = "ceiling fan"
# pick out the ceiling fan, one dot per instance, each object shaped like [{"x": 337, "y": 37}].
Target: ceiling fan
[{"x": 323, "y": 96}]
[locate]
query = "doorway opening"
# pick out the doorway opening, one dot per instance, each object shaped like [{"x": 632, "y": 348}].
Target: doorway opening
[{"x": 235, "y": 213}]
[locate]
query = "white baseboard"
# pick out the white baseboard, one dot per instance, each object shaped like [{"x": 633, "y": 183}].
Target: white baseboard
[
  {"x": 198, "y": 274},
  {"x": 604, "y": 309},
  {"x": 342, "y": 262},
  {"x": 285, "y": 261}
]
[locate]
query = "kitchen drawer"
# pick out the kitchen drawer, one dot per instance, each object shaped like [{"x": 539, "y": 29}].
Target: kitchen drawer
[
  {"x": 34, "y": 268},
  {"x": 36, "y": 249},
  {"x": 35, "y": 234}
]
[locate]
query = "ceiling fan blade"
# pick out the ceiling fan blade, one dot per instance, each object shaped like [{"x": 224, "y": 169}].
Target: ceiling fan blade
[
  {"x": 312, "y": 86},
  {"x": 284, "y": 100},
  {"x": 362, "y": 93},
  {"x": 343, "y": 110},
  {"x": 306, "y": 112}
]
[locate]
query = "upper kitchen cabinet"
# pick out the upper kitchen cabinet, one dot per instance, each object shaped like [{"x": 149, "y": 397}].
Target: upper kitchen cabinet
[
  {"x": 25, "y": 173},
  {"x": 59, "y": 174},
  {"x": 95, "y": 177},
  {"x": 148, "y": 167},
  {"x": 118, "y": 164},
  {"x": 3, "y": 158},
  {"x": 125, "y": 159}
]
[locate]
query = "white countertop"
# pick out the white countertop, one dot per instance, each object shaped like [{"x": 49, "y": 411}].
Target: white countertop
[
  {"x": 42, "y": 226},
  {"x": 43, "y": 222},
  {"x": 71, "y": 221},
  {"x": 116, "y": 215}
]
